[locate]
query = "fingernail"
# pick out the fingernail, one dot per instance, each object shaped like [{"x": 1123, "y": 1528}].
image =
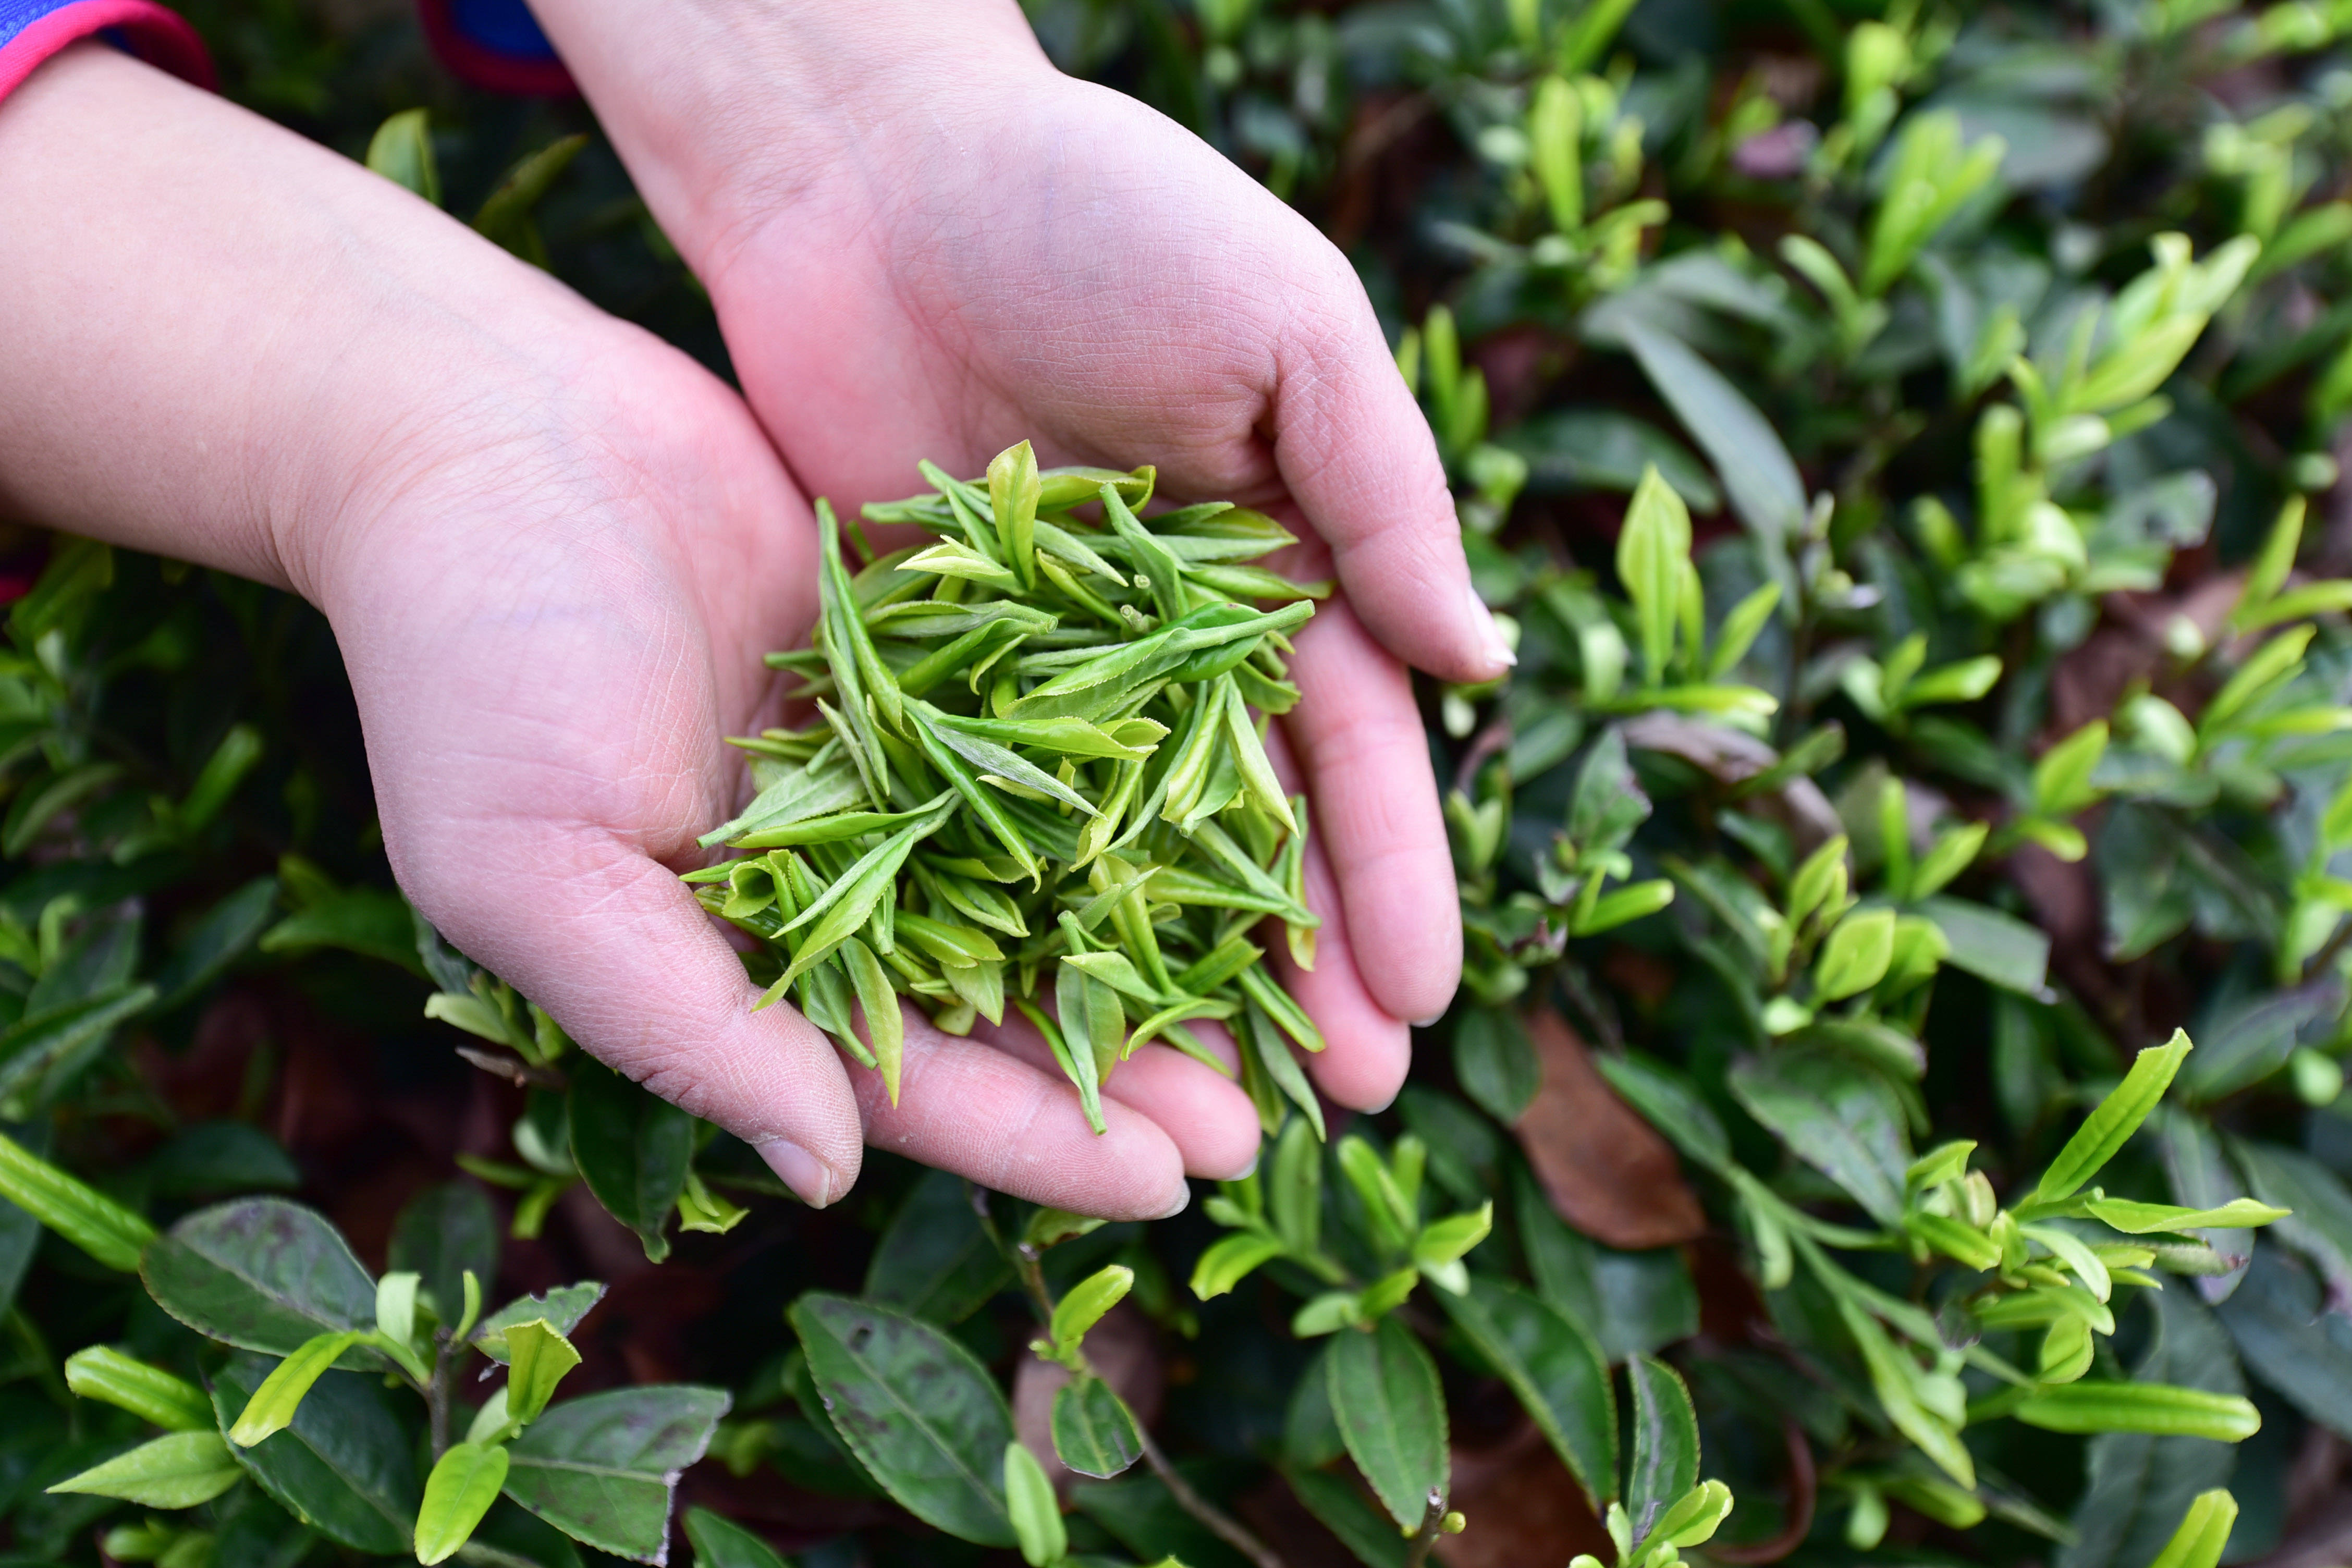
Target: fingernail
[
  {"x": 1425, "y": 1023},
  {"x": 803, "y": 1171},
  {"x": 1183, "y": 1201},
  {"x": 1248, "y": 1171},
  {"x": 1496, "y": 649}
]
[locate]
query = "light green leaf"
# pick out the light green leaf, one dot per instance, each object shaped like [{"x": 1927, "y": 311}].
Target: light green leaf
[
  {"x": 465, "y": 1482},
  {"x": 271, "y": 1408},
  {"x": 1037, "y": 1512},
  {"x": 180, "y": 1470},
  {"x": 2114, "y": 1120}
]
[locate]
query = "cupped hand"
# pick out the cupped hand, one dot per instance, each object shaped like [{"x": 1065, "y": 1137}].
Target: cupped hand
[
  {"x": 943, "y": 246},
  {"x": 552, "y": 550},
  {"x": 551, "y": 617}
]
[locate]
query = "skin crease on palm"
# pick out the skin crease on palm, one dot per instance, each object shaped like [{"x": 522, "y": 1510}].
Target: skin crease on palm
[{"x": 552, "y": 549}]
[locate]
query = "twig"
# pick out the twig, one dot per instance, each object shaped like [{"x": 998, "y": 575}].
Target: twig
[
  {"x": 438, "y": 1395},
  {"x": 1027, "y": 1266},
  {"x": 1803, "y": 1495},
  {"x": 1424, "y": 1539}
]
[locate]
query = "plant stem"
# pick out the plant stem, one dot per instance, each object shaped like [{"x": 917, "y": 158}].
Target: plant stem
[
  {"x": 437, "y": 1395},
  {"x": 1228, "y": 1529},
  {"x": 1027, "y": 1264},
  {"x": 1424, "y": 1539}
]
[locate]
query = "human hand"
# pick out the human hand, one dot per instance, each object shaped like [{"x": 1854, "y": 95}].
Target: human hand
[
  {"x": 923, "y": 241},
  {"x": 553, "y": 551}
]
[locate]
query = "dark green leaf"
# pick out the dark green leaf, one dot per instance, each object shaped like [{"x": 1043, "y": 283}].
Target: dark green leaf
[
  {"x": 345, "y": 1467},
  {"x": 1632, "y": 1303},
  {"x": 603, "y": 1470},
  {"x": 1668, "y": 1102},
  {"x": 723, "y": 1543},
  {"x": 1991, "y": 945},
  {"x": 261, "y": 1274},
  {"x": 918, "y": 1411},
  {"x": 2321, "y": 1226},
  {"x": 215, "y": 943},
  {"x": 1093, "y": 1432},
  {"x": 633, "y": 1147},
  {"x": 2279, "y": 1319},
  {"x": 1342, "y": 1509},
  {"x": 212, "y": 1157},
  {"x": 1556, "y": 1371},
  {"x": 934, "y": 1260},
  {"x": 444, "y": 1231},
  {"x": 1391, "y": 1413},
  {"x": 55, "y": 1041},
  {"x": 374, "y": 923},
  {"x": 561, "y": 1309},
  {"x": 1494, "y": 1063},
  {"x": 1664, "y": 1464},
  {"x": 1755, "y": 468},
  {"x": 1841, "y": 1117}
]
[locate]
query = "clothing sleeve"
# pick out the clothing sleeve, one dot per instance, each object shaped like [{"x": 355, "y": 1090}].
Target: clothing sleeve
[
  {"x": 33, "y": 30},
  {"x": 493, "y": 43}
]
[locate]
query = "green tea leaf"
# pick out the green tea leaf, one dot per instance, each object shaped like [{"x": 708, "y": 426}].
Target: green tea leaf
[
  {"x": 2156, "y": 1408},
  {"x": 273, "y": 1404},
  {"x": 261, "y": 1274},
  {"x": 1840, "y": 1118},
  {"x": 1556, "y": 1371},
  {"x": 465, "y": 1482},
  {"x": 1664, "y": 1464},
  {"x": 344, "y": 1465},
  {"x": 1036, "y": 1513},
  {"x": 633, "y": 1147},
  {"x": 178, "y": 1470},
  {"x": 721, "y": 1543},
  {"x": 920, "y": 1413},
  {"x": 934, "y": 1261},
  {"x": 104, "y": 1373},
  {"x": 1094, "y": 1431},
  {"x": 2114, "y": 1120},
  {"x": 75, "y": 1210},
  {"x": 538, "y": 1359},
  {"x": 604, "y": 1470},
  {"x": 1391, "y": 1413},
  {"x": 561, "y": 1309}
]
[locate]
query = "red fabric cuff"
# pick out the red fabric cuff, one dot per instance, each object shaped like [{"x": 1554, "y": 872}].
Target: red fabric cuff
[
  {"x": 476, "y": 65},
  {"x": 161, "y": 37}
]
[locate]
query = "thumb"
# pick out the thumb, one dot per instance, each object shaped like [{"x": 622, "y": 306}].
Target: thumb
[
  {"x": 619, "y": 952},
  {"x": 1358, "y": 457}
]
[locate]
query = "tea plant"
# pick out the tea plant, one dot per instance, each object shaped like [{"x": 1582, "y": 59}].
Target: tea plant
[{"x": 1903, "y": 440}]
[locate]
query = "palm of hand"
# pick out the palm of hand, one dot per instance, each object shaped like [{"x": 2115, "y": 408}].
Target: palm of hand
[
  {"x": 562, "y": 619},
  {"x": 1065, "y": 265}
]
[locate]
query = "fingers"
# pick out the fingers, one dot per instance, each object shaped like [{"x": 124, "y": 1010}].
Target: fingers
[
  {"x": 1357, "y": 740},
  {"x": 1356, "y": 455},
  {"x": 967, "y": 1107},
  {"x": 1205, "y": 1113},
  {"x": 622, "y": 955},
  {"x": 1367, "y": 1048}
]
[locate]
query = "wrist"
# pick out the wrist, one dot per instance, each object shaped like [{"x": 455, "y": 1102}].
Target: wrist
[{"x": 727, "y": 113}]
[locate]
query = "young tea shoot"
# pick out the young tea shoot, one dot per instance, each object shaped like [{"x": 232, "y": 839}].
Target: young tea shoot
[{"x": 1036, "y": 778}]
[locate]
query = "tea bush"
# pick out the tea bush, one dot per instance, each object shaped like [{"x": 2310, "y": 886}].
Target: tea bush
[{"x": 1902, "y": 440}]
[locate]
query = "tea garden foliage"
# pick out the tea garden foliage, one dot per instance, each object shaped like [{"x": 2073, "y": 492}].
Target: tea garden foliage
[{"x": 1900, "y": 439}]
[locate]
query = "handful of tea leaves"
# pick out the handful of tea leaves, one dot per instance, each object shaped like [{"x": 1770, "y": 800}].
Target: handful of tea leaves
[{"x": 1035, "y": 777}]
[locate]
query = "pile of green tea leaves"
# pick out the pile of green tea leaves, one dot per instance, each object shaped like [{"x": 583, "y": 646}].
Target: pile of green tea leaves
[{"x": 1036, "y": 770}]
